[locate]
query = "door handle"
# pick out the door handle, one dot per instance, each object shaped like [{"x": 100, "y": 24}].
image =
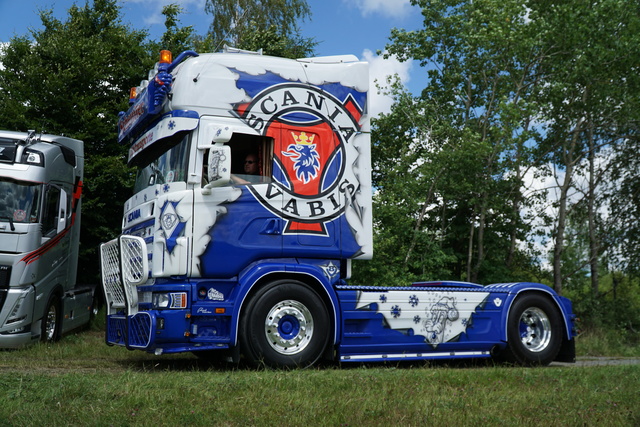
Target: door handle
[{"x": 271, "y": 227}]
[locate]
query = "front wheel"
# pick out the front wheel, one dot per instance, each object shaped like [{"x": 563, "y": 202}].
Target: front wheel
[
  {"x": 534, "y": 330},
  {"x": 285, "y": 325},
  {"x": 50, "y": 325}
]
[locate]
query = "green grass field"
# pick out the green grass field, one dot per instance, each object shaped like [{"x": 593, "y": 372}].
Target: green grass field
[{"x": 81, "y": 381}]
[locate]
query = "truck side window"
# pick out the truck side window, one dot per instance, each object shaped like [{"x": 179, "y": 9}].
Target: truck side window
[
  {"x": 50, "y": 211},
  {"x": 251, "y": 159}
]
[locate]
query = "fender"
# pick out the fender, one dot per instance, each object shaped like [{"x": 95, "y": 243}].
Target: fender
[
  {"x": 515, "y": 289},
  {"x": 258, "y": 272}
]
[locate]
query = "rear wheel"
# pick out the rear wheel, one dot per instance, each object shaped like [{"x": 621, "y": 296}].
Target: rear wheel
[
  {"x": 534, "y": 330},
  {"x": 50, "y": 325},
  {"x": 286, "y": 324}
]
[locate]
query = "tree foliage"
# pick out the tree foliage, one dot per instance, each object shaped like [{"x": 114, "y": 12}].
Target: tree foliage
[
  {"x": 515, "y": 90},
  {"x": 466, "y": 136},
  {"x": 72, "y": 78},
  {"x": 274, "y": 42},
  {"x": 271, "y": 25},
  {"x": 175, "y": 38}
]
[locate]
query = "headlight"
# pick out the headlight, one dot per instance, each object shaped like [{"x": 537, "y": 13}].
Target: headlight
[
  {"x": 171, "y": 300},
  {"x": 32, "y": 157}
]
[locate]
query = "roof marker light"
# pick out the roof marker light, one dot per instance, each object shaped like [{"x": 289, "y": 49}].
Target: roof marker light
[{"x": 165, "y": 57}]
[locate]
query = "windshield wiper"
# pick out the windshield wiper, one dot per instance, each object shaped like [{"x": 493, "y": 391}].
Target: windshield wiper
[{"x": 13, "y": 227}]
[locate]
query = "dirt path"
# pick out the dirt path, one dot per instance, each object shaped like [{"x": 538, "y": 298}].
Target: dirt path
[{"x": 599, "y": 361}]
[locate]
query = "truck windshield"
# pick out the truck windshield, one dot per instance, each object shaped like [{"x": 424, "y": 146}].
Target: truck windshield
[
  {"x": 168, "y": 167},
  {"x": 19, "y": 201}
]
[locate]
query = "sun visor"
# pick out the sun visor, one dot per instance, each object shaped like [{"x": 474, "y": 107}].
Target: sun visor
[{"x": 171, "y": 124}]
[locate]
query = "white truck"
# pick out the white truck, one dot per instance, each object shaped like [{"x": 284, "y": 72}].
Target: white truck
[
  {"x": 40, "y": 190},
  {"x": 253, "y": 197}
]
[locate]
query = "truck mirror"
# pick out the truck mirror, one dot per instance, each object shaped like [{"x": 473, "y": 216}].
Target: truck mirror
[{"x": 219, "y": 166}]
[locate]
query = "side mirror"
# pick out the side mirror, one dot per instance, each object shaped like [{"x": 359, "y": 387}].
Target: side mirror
[{"x": 219, "y": 167}]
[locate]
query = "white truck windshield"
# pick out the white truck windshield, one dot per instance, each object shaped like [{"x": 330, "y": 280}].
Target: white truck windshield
[{"x": 171, "y": 166}]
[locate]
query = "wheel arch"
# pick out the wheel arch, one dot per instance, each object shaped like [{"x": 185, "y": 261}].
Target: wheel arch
[
  {"x": 252, "y": 283},
  {"x": 58, "y": 292},
  {"x": 563, "y": 305}
]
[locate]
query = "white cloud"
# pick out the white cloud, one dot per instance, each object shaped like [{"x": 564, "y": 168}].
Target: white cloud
[
  {"x": 392, "y": 8},
  {"x": 2, "y": 46},
  {"x": 379, "y": 69}
]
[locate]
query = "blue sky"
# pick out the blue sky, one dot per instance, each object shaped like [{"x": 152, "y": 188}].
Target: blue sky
[{"x": 359, "y": 27}]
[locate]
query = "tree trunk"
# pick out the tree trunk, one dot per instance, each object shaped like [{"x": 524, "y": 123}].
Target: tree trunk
[
  {"x": 481, "y": 227},
  {"x": 568, "y": 154},
  {"x": 421, "y": 216},
  {"x": 470, "y": 250},
  {"x": 593, "y": 238}
]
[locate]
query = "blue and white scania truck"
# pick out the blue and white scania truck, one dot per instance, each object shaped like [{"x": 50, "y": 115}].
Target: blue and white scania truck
[
  {"x": 40, "y": 192},
  {"x": 252, "y": 198}
]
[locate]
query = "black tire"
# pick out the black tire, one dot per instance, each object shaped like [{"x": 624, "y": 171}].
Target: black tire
[
  {"x": 285, "y": 325},
  {"x": 51, "y": 321},
  {"x": 534, "y": 331}
]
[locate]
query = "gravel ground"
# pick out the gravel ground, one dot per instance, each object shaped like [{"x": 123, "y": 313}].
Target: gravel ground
[{"x": 599, "y": 361}]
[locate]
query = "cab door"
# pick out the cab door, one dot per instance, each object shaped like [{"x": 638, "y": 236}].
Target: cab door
[
  {"x": 54, "y": 251},
  {"x": 233, "y": 224}
]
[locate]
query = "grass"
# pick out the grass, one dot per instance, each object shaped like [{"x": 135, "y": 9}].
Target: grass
[
  {"x": 613, "y": 343},
  {"x": 81, "y": 381}
]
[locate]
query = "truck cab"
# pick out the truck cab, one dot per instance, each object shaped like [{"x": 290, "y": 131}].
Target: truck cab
[{"x": 40, "y": 189}]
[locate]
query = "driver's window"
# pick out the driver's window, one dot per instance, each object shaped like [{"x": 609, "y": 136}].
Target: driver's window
[{"x": 251, "y": 160}]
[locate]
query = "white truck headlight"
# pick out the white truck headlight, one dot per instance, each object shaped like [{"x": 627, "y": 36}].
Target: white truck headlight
[{"x": 170, "y": 300}]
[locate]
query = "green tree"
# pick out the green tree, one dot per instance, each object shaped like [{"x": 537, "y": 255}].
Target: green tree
[
  {"x": 587, "y": 105},
  {"x": 406, "y": 246},
  {"x": 476, "y": 114},
  {"x": 245, "y": 23},
  {"x": 276, "y": 43},
  {"x": 73, "y": 77},
  {"x": 176, "y": 39},
  {"x": 522, "y": 85}
]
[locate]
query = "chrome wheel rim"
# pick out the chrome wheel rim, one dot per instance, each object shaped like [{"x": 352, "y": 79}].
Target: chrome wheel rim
[
  {"x": 289, "y": 327},
  {"x": 50, "y": 323},
  {"x": 535, "y": 329}
]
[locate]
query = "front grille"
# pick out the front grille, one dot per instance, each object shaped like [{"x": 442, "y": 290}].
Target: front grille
[
  {"x": 116, "y": 330},
  {"x": 132, "y": 331},
  {"x": 5, "y": 276},
  {"x": 140, "y": 328}
]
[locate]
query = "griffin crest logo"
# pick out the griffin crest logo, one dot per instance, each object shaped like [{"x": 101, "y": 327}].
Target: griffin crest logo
[{"x": 305, "y": 156}]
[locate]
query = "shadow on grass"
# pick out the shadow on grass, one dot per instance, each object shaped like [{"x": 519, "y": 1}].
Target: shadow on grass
[{"x": 221, "y": 363}]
